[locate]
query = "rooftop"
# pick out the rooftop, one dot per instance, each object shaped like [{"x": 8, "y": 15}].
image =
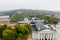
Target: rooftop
[
  {"x": 4, "y": 16},
  {"x": 40, "y": 26}
]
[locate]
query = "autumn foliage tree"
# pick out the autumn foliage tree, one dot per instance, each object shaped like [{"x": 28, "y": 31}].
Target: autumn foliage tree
[
  {"x": 9, "y": 34},
  {"x": 23, "y": 31},
  {"x": 2, "y": 28}
]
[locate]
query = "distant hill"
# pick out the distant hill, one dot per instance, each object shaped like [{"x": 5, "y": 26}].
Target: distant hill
[{"x": 28, "y": 11}]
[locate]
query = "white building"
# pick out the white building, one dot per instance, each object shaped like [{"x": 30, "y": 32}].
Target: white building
[
  {"x": 58, "y": 31},
  {"x": 41, "y": 32},
  {"x": 4, "y": 18}
]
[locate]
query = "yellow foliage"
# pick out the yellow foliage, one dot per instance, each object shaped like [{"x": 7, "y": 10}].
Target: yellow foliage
[
  {"x": 8, "y": 27},
  {"x": 17, "y": 26},
  {"x": 18, "y": 38}
]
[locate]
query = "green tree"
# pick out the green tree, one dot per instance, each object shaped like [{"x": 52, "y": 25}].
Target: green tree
[
  {"x": 17, "y": 27},
  {"x": 28, "y": 26},
  {"x": 51, "y": 20},
  {"x": 42, "y": 17},
  {"x": 23, "y": 31},
  {"x": 16, "y": 17},
  {"x": 55, "y": 21},
  {"x": 2, "y": 28},
  {"x": 9, "y": 34},
  {"x": 0, "y": 38}
]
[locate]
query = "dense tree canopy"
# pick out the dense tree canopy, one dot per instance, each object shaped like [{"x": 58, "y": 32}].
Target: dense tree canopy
[
  {"x": 51, "y": 20},
  {"x": 23, "y": 31},
  {"x": 2, "y": 28},
  {"x": 16, "y": 17},
  {"x": 9, "y": 34}
]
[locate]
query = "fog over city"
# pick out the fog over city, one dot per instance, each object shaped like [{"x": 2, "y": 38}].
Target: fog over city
[{"x": 53, "y": 5}]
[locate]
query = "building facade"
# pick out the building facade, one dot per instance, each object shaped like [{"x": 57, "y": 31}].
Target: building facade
[
  {"x": 4, "y": 20},
  {"x": 43, "y": 32}
]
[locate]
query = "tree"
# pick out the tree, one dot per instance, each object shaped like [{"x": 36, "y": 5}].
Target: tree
[
  {"x": 2, "y": 28},
  {"x": 23, "y": 31},
  {"x": 55, "y": 21},
  {"x": 16, "y": 17},
  {"x": 18, "y": 38},
  {"x": 46, "y": 20},
  {"x": 0, "y": 39},
  {"x": 17, "y": 27},
  {"x": 9, "y": 34},
  {"x": 51, "y": 20},
  {"x": 42, "y": 17},
  {"x": 28, "y": 26}
]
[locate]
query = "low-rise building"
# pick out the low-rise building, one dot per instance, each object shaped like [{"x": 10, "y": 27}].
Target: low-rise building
[
  {"x": 43, "y": 32},
  {"x": 4, "y": 20}
]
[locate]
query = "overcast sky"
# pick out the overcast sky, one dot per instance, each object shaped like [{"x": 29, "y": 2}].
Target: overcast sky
[{"x": 53, "y": 5}]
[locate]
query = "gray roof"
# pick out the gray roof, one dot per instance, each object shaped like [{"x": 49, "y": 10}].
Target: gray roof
[{"x": 39, "y": 27}]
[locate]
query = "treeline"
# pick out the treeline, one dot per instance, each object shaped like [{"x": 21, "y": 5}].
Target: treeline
[
  {"x": 49, "y": 19},
  {"x": 17, "y": 32}
]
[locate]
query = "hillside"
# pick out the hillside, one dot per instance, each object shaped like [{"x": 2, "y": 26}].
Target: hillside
[{"x": 28, "y": 11}]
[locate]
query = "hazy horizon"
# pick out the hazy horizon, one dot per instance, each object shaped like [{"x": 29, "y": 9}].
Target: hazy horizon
[{"x": 51, "y": 5}]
